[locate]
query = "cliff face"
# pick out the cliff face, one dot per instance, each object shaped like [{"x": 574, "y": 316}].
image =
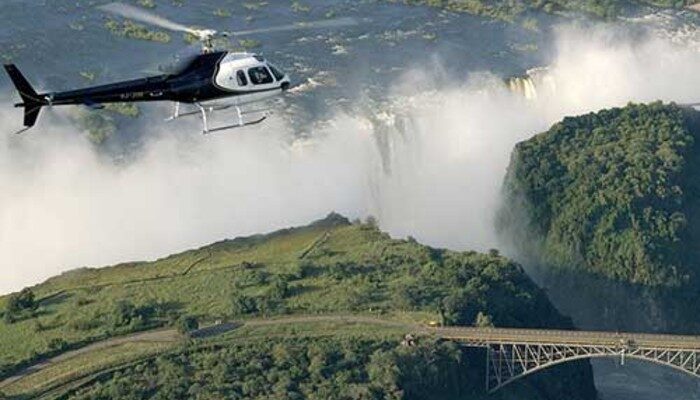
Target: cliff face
[{"x": 611, "y": 199}]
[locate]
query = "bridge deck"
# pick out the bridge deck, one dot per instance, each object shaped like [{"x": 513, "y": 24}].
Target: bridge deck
[{"x": 578, "y": 338}]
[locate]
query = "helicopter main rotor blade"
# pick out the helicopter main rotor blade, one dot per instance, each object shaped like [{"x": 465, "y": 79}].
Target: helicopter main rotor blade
[
  {"x": 331, "y": 23},
  {"x": 139, "y": 14}
]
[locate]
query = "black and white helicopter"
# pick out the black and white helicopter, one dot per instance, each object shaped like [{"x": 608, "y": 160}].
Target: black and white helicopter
[{"x": 212, "y": 80}]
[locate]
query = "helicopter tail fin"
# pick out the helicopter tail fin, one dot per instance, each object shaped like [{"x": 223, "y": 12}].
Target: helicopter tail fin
[{"x": 32, "y": 101}]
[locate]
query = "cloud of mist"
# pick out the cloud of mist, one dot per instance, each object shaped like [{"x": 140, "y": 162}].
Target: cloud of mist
[
  {"x": 430, "y": 165},
  {"x": 64, "y": 206},
  {"x": 449, "y": 163}
]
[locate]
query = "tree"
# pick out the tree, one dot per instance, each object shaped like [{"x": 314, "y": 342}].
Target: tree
[
  {"x": 300, "y": 270},
  {"x": 19, "y": 305},
  {"x": 371, "y": 221},
  {"x": 57, "y": 344},
  {"x": 405, "y": 295},
  {"x": 610, "y": 193},
  {"x": 122, "y": 313},
  {"x": 483, "y": 321},
  {"x": 242, "y": 304},
  {"x": 459, "y": 308},
  {"x": 280, "y": 288},
  {"x": 187, "y": 324}
]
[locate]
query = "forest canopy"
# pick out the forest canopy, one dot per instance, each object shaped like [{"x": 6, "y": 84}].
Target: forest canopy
[{"x": 613, "y": 193}]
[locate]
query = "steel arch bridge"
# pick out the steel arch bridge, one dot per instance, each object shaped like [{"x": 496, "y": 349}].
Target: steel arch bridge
[{"x": 512, "y": 354}]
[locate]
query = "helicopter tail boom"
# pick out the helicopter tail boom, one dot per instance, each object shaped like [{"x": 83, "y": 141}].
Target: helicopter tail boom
[{"x": 31, "y": 100}]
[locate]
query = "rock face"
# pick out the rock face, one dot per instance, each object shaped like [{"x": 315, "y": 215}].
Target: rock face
[{"x": 606, "y": 204}]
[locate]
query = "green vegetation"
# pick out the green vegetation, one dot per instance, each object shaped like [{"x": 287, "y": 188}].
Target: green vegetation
[
  {"x": 146, "y": 3},
  {"x": 530, "y": 24},
  {"x": 88, "y": 75},
  {"x": 254, "y": 5},
  {"x": 19, "y": 306},
  {"x": 187, "y": 324},
  {"x": 328, "y": 267},
  {"x": 369, "y": 365},
  {"x": 249, "y": 44},
  {"x": 100, "y": 124},
  {"x": 607, "y": 206},
  {"x": 510, "y": 10},
  {"x": 76, "y": 26},
  {"x": 132, "y": 30},
  {"x": 221, "y": 12},
  {"x": 613, "y": 193},
  {"x": 299, "y": 369},
  {"x": 86, "y": 364},
  {"x": 124, "y": 109},
  {"x": 299, "y": 7}
]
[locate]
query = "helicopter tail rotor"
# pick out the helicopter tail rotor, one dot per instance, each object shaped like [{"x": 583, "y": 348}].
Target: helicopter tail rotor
[{"x": 31, "y": 100}]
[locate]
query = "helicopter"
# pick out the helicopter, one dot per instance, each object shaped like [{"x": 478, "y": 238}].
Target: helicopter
[{"x": 212, "y": 80}]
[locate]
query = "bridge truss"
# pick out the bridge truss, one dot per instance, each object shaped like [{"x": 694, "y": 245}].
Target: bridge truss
[{"x": 508, "y": 362}]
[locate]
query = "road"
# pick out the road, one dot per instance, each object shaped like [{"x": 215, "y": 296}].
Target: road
[
  {"x": 462, "y": 334},
  {"x": 157, "y": 335},
  {"x": 171, "y": 335},
  {"x": 540, "y": 336}
]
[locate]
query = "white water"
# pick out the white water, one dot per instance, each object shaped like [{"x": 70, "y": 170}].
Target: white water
[{"x": 428, "y": 164}]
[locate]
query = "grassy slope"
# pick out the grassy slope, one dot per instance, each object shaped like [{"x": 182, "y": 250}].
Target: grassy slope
[
  {"x": 327, "y": 267},
  {"x": 197, "y": 282},
  {"x": 63, "y": 376},
  {"x": 84, "y": 365}
]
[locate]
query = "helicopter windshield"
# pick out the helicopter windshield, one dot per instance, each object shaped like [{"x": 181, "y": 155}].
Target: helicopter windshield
[
  {"x": 260, "y": 75},
  {"x": 276, "y": 72}
]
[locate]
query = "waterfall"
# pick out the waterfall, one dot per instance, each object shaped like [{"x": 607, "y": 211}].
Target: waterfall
[{"x": 536, "y": 82}]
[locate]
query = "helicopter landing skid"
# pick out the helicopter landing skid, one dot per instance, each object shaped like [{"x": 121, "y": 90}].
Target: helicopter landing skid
[
  {"x": 205, "y": 110},
  {"x": 227, "y": 127}
]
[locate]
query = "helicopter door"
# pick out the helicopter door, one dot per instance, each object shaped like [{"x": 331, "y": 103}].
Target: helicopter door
[{"x": 241, "y": 78}]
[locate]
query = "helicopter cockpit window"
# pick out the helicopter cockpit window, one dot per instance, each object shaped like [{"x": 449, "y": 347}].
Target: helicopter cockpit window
[
  {"x": 242, "y": 80},
  {"x": 260, "y": 76},
  {"x": 277, "y": 73}
]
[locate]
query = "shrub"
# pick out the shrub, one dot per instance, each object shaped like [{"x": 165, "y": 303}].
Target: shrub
[
  {"x": 187, "y": 324},
  {"x": 84, "y": 324},
  {"x": 20, "y": 305},
  {"x": 242, "y": 304},
  {"x": 279, "y": 289},
  {"x": 483, "y": 321},
  {"x": 57, "y": 344},
  {"x": 82, "y": 301},
  {"x": 122, "y": 313}
]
